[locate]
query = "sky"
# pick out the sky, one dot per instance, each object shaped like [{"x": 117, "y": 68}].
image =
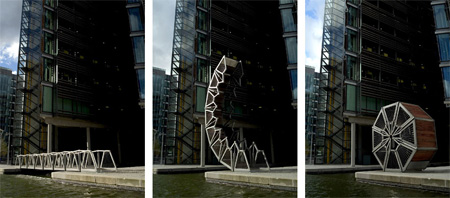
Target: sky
[
  {"x": 10, "y": 11},
  {"x": 313, "y": 32},
  {"x": 163, "y": 25}
]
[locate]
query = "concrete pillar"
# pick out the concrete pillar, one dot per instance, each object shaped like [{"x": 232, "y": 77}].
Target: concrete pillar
[
  {"x": 202, "y": 145},
  {"x": 88, "y": 138},
  {"x": 353, "y": 144},
  {"x": 49, "y": 137}
]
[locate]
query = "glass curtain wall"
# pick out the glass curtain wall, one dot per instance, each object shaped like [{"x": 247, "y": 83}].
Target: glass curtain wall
[
  {"x": 441, "y": 16},
  {"x": 444, "y": 46}
]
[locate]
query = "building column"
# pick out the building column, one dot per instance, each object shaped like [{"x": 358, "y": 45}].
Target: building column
[
  {"x": 353, "y": 144},
  {"x": 88, "y": 138},
  {"x": 49, "y": 137},
  {"x": 202, "y": 145}
]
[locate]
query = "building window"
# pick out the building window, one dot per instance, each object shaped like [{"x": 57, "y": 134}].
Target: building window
[
  {"x": 446, "y": 81},
  {"x": 293, "y": 75},
  {"x": 352, "y": 18},
  {"x": 356, "y": 2},
  {"x": 352, "y": 44},
  {"x": 351, "y": 98},
  {"x": 285, "y": 1},
  {"x": 49, "y": 43},
  {"x": 139, "y": 49},
  {"x": 288, "y": 20},
  {"x": 200, "y": 99},
  {"x": 135, "y": 19},
  {"x": 444, "y": 46},
  {"x": 202, "y": 44},
  {"x": 141, "y": 82},
  {"x": 47, "y": 99},
  {"x": 133, "y": 1},
  {"x": 291, "y": 49},
  {"x": 203, "y": 3},
  {"x": 202, "y": 21},
  {"x": 352, "y": 68},
  {"x": 49, "y": 70},
  {"x": 441, "y": 16},
  {"x": 49, "y": 20},
  {"x": 202, "y": 71},
  {"x": 50, "y": 3}
]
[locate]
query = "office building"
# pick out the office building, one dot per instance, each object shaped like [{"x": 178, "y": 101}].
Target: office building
[
  {"x": 311, "y": 101},
  {"x": 375, "y": 53},
  {"x": 161, "y": 91},
  {"x": 7, "y": 96},
  {"x": 137, "y": 34},
  {"x": 77, "y": 84},
  {"x": 441, "y": 15},
  {"x": 250, "y": 32}
]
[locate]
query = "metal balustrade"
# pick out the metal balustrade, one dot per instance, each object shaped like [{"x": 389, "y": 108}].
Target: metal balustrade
[{"x": 78, "y": 160}]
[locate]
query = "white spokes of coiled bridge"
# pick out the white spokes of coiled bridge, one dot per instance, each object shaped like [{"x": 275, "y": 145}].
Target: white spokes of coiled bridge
[{"x": 233, "y": 157}]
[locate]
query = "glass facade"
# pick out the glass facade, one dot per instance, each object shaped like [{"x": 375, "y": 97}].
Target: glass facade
[
  {"x": 202, "y": 22},
  {"x": 293, "y": 75},
  {"x": 351, "y": 103},
  {"x": 49, "y": 70},
  {"x": 133, "y": 1},
  {"x": 446, "y": 81},
  {"x": 49, "y": 20},
  {"x": 47, "y": 99},
  {"x": 200, "y": 99},
  {"x": 352, "y": 18},
  {"x": 441, "y": 17},
  {"x": 203, "y": 3},
  {"x": 285, "y": 1},
  {"x": 202, "y": 71},
  {"x": 202, "y": 46},
  {"x": 444, "y": 46},
  {"x": 141, "y": 82},
  {"x": 288, "y": 20},
  {"x": 352, "y": 41},
  {"x": 352, "y": 68},
  {"x": 291, "y": 49},
  {"x": 49, "y": 43},
  {"x": 139, "y": 49},
  {"x": 50, "y": 3},
  {"x": 135, "y": 19}
]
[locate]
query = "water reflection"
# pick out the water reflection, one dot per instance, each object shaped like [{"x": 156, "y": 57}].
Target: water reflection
[
  {"x": 345, "y": 185},
  {"x": 32, "y": 186},
  {"x": 194, "y": 185}
]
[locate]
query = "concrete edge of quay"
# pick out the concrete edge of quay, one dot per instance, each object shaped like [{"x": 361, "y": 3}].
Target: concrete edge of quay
[
  {"x": 332, "y": 170},
  {"x": 422, "y": 183},
  {"x": 186, "y": 170},
  {"x": 269, "y": 182},
  {"x": 100, "y": 180}
]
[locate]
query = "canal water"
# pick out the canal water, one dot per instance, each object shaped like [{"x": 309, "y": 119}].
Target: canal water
[
  {"x": 345, "y": 185},
  {"x": 33, "y": 186},
  {"x": 195, "y": 185}
]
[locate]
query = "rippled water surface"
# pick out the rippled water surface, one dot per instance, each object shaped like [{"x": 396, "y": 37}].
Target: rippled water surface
[
  {"x": 195, "y": 185},
  {"x": 345, "y": 185},
  {"x": 32, "y": 186}
]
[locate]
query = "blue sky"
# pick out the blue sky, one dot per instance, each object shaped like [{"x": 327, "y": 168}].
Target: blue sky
[
  {"x": 163, "y": 25},
  {"x": 10, "y": 11},
  {"x": 314, "y": 10}
]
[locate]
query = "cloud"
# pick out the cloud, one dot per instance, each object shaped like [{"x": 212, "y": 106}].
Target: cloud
[
  {"x": 14, "y": 72},
  {"x": 163, "y": 25},
  {"x": 313, "y": 32},
  {"x": 10, "y": 14}
]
